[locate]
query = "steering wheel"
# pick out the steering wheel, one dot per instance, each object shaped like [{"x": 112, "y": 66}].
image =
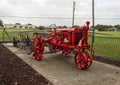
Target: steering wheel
[{"x": 52, "y": 26}]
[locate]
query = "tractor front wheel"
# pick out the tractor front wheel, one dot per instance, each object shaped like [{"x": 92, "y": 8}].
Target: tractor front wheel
[
  {"x": 83, "y": 60},
  {"x": 89, "y": 57}
]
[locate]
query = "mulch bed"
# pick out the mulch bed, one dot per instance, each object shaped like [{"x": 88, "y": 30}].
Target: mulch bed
[
  {"x": 14, "y": 71},
  {"x": 107, "y": 60}
]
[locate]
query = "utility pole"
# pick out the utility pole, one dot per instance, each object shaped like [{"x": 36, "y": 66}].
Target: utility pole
[
  {"x": 73, "y": 13},
  {"x": 93, "y": 21}
]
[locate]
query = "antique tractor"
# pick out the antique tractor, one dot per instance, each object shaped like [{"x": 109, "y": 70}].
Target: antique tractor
[{"x": 67, "y": 40}]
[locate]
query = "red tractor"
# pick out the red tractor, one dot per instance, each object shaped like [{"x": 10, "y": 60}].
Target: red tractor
[{"x": 67, "y": 40}]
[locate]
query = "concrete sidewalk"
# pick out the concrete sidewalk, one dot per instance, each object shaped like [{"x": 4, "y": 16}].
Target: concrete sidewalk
[{"x": 62, "y": 71}]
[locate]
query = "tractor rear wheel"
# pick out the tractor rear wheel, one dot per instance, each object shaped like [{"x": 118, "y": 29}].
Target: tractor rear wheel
[{"x": 38, "y": 47}]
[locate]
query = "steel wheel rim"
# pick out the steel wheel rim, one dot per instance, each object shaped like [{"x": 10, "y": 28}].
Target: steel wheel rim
[
  {"x": 80, "y": 61},
  {"x": 89, "y": 59}
]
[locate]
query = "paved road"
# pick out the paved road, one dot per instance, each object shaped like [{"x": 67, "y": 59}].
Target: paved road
[{"x": 62, "y": 71}]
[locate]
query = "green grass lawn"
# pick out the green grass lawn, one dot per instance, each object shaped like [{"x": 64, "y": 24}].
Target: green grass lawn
[
  {"x": 107, "y": 34},
  {"x": 107, "y": 44},
  {"x": 13, "y": 33}
]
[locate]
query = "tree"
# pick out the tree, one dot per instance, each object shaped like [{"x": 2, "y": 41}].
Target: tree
[
  {"x": 60, "y": 27},
  {"x": 17, "y": 24},
  {"x": 103, "y": 27},
  {"x": 76, "y": 26},
  {"x": 29, "y": 24},
  {"x": 99, "y": 27},
  {"x": 21, "y": 26},
  {"x": 64, "y": 26},
  {"x": 41, "y": 27},
  {"x": 1, "y": 23},
  {"x": 117, "y": 27}
]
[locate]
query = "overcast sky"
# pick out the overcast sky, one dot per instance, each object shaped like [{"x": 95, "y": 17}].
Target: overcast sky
[{"x": 106, "y": 11}]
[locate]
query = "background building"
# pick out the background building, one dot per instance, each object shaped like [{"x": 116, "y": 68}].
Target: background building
[{"x": 19, "y": 26}]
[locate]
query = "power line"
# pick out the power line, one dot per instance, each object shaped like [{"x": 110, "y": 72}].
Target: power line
[
  {"x": 2, "y": 14},
  {"x": 41, "y": 17}
]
